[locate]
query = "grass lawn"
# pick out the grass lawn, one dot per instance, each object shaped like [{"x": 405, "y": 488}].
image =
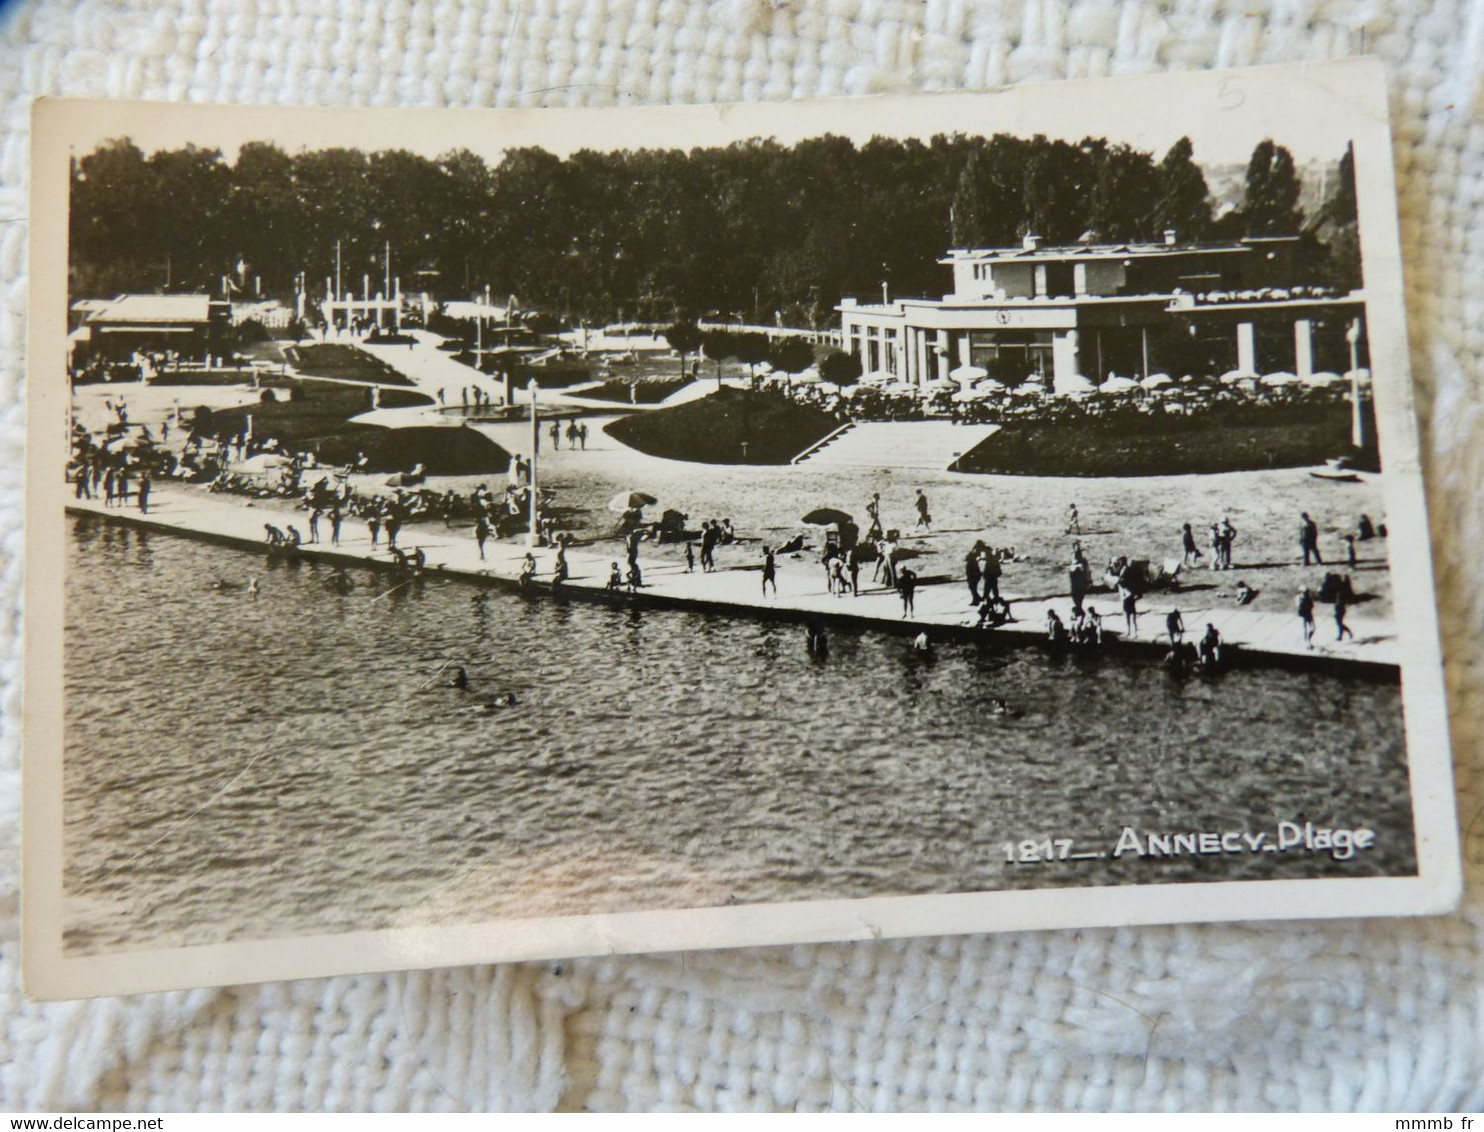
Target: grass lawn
[
  {"x": 1129, "y": 443},
  {"x": 556, "y": 376},
  {"x": 714, "y": 429},
  {"x": 317, "y": 421},
  {"x": 347, "y": 363},
  {"x": 648, "y": 391}
]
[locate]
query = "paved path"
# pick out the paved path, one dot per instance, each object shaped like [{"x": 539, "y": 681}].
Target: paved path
[
  {"x": 908, "y": 445},
  {"x": 941, "y": 602},
  {"x": 432, "y": 370}
]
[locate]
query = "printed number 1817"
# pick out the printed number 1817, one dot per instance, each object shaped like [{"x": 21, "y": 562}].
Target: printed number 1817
[{"x": 1030, "y": 852}]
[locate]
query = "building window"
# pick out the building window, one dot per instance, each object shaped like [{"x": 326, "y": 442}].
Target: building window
[{"x": 1012, "y": 356}]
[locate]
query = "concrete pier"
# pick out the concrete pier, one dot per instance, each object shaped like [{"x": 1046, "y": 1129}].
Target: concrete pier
[{"x": 942, "y": 603}]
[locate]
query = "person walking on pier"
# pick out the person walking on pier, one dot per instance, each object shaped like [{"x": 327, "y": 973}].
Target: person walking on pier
[
  {"x": 989, "y": 574},
  {"x": 873, "y": 509},
  {"x": 853, "y": 564},
  {"x": 373, "y": 524},
  {"x": 572, "y": 434},
  {"x": 837, "y": 574},
  {"x": 1192, "y": 552},
  {"x": 582, "y": 435},
  {"x": 1309, "y": 540},
  {"x": 1341, "y": 629},
  {"x": 556, "y": 435},
  {"x": 770, "y": 572},
  {"x": 1130, "y": 613},
  {"x": 923, "y": 518},
  {"x": 1350, "y": 551},
  {"x": 122, "y": 486},
  {"x": 144, "y": 493},
  {"x": 481, "y": 534},
  {"x": 1228, "y": 537},
  {"x": 1074, "y": 521},
  {"x": 1215, "y": 563},
  {"x": 335, "y": 520},
  {"x": 972, "y": 572},
  {"x": 907, "y": 587},
  {"x": 1175, "y": 626},
  {"x": 1306, "y": 615},
  {"x": 393, "y": 525},
  {"x": 690, "y": 557},
  {"x": 709, "y": 536}
]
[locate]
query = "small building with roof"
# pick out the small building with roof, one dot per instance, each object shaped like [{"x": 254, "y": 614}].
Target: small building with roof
[
  {"x": 193, "y": 327},
  {"x": 1083, "y": 312}
]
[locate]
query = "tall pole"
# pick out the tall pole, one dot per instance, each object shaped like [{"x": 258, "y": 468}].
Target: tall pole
[
  {"x": 533, "y": 538},
  {"x": 1357, "y": 422},
  {"x": 387, "y": 286},
  {"x": 339, "y": 294}
]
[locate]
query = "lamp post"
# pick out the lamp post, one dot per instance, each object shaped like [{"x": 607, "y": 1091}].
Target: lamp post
[
  {"x": 1357, "y": 422},
  {"x": 533, "y": 537}
]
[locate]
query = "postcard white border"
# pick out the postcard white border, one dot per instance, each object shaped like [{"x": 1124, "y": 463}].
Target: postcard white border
[{"x": 1340, "y": 100}]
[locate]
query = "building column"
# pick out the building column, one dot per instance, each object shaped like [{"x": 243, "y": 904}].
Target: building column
[
  {"x": 1063, "y": 360},
  {"x": 1246, "y": 347},
  {"x": 963, "y": 348},
  {"x": 909, "y": 354},
  {"x": 922, "y": 357},
  {"x": 1303, "y": 347},
  {"x": 943, "y": 348}
]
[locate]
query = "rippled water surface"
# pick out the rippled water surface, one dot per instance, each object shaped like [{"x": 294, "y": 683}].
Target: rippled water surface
[{"x": 241, "y": 769}]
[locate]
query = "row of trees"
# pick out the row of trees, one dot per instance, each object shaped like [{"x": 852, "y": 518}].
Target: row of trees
[{"x": 754, "y": 228}]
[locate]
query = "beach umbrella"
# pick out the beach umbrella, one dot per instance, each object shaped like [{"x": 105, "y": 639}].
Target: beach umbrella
[
  {"x": 1322, "y": 379},
  {"x": 877, "y": 377},
  {"x": 809, "y": 376},
  {"x": 1274, "y": 380},
  {"x": 1118, "y": 385},
  {"x": 1077, "y": 385},
  {"x": 826, "y": 516},
  {"x": 902, "y": 388},
  {"x": 1157, "y": 381},
  {"x": 631, "y": 501},
  {"x": 963, "y": 396},
  {"x": 263, "y": 462},
  {"x": 829, "y": 388},
  {"x": 1232, "y": 376},
  {"x": 967, "y": 375}
]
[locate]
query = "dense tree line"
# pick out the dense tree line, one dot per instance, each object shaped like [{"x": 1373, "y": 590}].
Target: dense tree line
[{"x": 752, "y": 229}]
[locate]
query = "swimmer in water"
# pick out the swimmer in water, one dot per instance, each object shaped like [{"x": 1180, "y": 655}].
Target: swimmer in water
[
  {"x": 252, "y": 587},
  {"x": 460, "y": 680},
  {"x": 504, "y": 700}
]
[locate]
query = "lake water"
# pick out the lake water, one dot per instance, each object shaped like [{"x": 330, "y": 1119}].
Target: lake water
[{"x": 239, "y": 769}]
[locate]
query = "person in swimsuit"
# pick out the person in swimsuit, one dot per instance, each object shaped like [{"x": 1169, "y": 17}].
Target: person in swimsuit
[{"x": 770, "y": 571}]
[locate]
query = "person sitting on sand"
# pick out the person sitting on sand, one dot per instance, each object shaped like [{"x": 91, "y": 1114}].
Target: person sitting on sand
[
  {"x": 615, "y": 577},
  {"x": 527, "y": 569},
  {"x": 1245, "y": 593},
  {"x": 294, "y": 539}
]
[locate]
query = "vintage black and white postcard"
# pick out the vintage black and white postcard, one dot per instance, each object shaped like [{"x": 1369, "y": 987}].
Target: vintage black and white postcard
[{"x": 459, "y": 536}]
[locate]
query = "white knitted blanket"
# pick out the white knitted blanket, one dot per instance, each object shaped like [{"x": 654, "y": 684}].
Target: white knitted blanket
[{"x": 1342, "y": 1015}]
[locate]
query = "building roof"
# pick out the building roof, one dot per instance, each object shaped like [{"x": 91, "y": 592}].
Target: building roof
[
  {"x": 1037, "y": 253},
  {"x": 155, "y": 309}
]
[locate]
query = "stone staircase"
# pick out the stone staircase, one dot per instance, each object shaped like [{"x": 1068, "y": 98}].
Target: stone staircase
[{"x": 917, "y": 445}]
